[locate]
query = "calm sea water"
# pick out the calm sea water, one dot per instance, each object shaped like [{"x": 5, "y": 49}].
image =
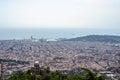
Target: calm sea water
[{"x": 51, "y": 34}]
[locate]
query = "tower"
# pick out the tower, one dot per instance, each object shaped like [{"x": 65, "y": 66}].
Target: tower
[{"x": 36, "y": 64}]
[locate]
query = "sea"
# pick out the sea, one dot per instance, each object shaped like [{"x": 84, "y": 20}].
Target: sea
[{"x": 52, "y": 33}]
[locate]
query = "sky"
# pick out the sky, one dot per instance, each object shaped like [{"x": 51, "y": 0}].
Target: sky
[{"x": 60, "y": 14}]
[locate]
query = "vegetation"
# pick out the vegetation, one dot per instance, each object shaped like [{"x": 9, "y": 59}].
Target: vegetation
[
  {"x": 9, "y": 60},
  {"x": 99, "y": 38},
  {"x": 46, "y": 74}
]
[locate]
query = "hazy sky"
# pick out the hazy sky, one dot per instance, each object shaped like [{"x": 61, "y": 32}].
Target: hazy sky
[{"x": 60, "y": 13}]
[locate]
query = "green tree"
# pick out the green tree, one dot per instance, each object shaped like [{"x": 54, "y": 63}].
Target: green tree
[{"x": 93, "y": 76}]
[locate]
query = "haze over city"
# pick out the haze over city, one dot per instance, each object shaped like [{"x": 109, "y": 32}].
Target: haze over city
[
  {"x": 60, "y": 14},
  {"x": 64, "y": 18}
]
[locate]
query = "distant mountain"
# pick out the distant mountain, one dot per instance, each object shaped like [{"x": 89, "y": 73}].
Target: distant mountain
[{"x": 98, "y": 38}]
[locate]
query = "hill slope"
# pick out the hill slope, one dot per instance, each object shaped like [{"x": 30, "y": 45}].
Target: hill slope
[{"x": 99, "y": 38}]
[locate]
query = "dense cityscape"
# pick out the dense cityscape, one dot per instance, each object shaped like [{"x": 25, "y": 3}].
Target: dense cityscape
[
  {"x": 59, "y": 39},
  {"x": 60, "y": 55}
]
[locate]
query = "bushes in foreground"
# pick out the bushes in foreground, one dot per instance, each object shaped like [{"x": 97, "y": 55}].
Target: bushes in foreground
[{"x": 46, "y": 74}]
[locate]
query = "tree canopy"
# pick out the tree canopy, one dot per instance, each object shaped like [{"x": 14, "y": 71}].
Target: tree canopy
[{"x": 46, "y": 74}]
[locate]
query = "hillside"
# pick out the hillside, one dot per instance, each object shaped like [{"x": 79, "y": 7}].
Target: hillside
[{"x": 98, "y": 38}]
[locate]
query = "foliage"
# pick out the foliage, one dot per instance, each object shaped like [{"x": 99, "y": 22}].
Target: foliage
[
  {"x": 46, "y": 74},
  {"x": 98, "y": 38},
  {"x": 10, "y": 60}
]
